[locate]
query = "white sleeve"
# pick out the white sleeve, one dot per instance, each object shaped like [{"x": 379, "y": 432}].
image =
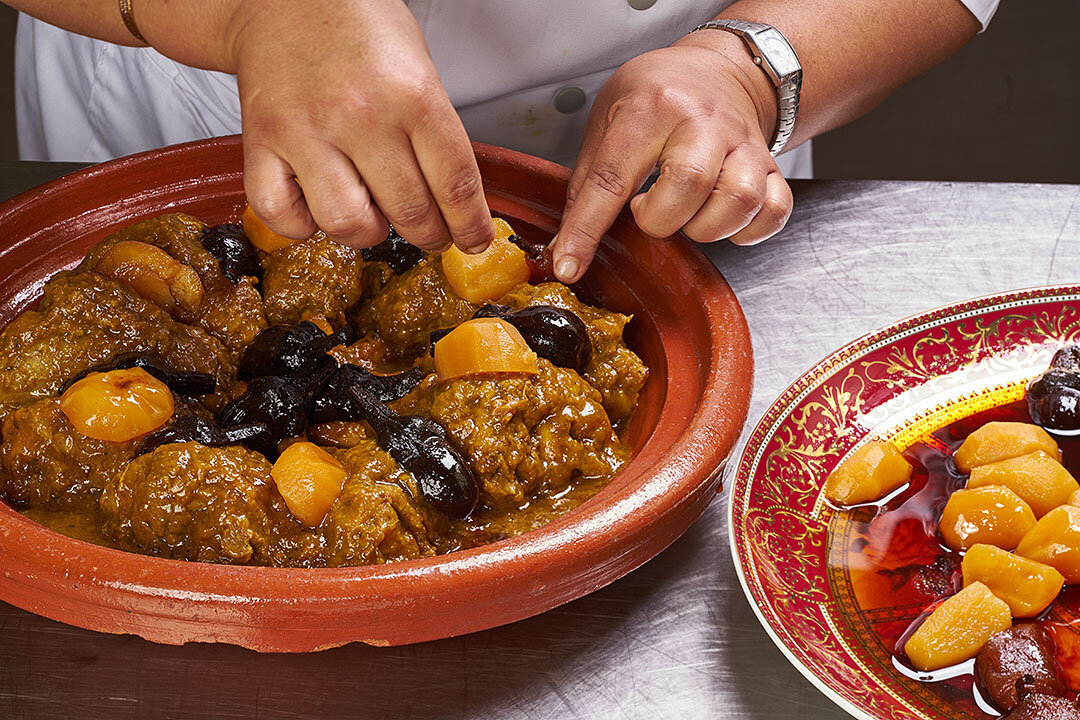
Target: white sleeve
[{"x": 983, "y": 10}]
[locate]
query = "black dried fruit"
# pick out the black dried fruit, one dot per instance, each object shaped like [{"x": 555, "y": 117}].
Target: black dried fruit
[
  {"x": 189, "y": 427},
  {"x": 333, "y": 402},
  {"x": 421, "y": 447},
  {"x": 281, "y": 403},
  {"x": 395, "y": 251},
  {"x": 181, "y": 382},
  {"x": 283, "y": 349},
  {"x": 1053, "y": 398},
  {"x": 1067, "y": 358},
  {"x": 555, "y": 334},
  {"x": 235, "y": 254}
]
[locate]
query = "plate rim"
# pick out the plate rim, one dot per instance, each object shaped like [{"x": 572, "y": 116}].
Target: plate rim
[{"x": 759, "y": 426}]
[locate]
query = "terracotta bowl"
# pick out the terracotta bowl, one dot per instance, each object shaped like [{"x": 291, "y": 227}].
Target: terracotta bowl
[{"x": 688, "y": 327}]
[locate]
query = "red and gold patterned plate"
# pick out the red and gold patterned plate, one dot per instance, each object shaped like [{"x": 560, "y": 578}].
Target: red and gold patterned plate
[{"x": 899, "y": 383}]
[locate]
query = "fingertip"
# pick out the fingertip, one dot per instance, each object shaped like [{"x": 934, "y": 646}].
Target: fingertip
[{"x": 475, "y": 249}]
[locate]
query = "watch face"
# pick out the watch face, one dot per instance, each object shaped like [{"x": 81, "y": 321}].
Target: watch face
[{"x": 777, "y": 52}]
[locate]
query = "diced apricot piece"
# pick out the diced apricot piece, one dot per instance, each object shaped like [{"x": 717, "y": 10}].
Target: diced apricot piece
[
  {"x": 118, "y": 405},
  {"x": 309, "y": 480},
  {"x": 958, "y": 628},
  {"x": 1055, "y": 541},
  {"x": 491, "y": 274},
  {"x": 1026, "y": 586},
  {"x": 1039, "y": 479},
  {"x": 154, "y": 274},
  {"x": 261, "y": 236},
  {"x": 1002, "y": 440},
  {"x": 871, "y": 472},
  {"x": 484, "y": 345},
  {"x": 1074, "y": 499},
  {"x": 993, "y": 515}
]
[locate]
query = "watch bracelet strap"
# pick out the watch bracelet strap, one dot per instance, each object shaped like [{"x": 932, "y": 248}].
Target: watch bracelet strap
[{"x": 787, "y": 94}]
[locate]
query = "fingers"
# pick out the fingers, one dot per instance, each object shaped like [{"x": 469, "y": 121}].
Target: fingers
[
  {"x": 338, "y": 199},
  {"x": 602, "y": 182},
  {"x": 274, "y": 195},
  {"x": 446, "y": 160},
  {"x": 736, "y": 199},
  {"x": 774, "y": 213},
  {"x": 401, "y": 192},
  {"x": 689, "y": 166}
]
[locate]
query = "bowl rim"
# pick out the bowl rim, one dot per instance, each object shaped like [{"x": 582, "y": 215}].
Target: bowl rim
[
  {"x": 761, "y": 425},
  {"x": 590, "y": 528}
]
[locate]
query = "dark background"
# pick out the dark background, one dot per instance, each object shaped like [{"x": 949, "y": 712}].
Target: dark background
[{"x": 1006, "y": 107}]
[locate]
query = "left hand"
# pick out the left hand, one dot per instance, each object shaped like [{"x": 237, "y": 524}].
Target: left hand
[{"x": 704, "y": 113}]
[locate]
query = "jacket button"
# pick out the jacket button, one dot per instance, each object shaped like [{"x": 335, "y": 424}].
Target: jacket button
[
  {"x": 641, "y": 4},
  {"x": 569, "y": 100}
]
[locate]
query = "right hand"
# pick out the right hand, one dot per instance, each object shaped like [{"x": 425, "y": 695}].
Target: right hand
[{"x": 341, "y": 98}]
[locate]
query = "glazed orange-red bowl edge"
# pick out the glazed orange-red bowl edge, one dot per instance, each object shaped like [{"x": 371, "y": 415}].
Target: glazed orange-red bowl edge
[{"x": 688, "y": 327}]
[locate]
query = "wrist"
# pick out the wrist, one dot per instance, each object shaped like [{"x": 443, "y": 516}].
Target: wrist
[
  {"x": 201, "y": 35},
  {"x": 734, "y": 58}
]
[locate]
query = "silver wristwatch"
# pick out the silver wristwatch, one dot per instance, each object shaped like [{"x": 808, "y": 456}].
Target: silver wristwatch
[{"x": 773, "y": 54}]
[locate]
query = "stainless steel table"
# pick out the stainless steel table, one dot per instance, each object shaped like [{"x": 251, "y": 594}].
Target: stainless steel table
[{"x": 676, "y": 638}]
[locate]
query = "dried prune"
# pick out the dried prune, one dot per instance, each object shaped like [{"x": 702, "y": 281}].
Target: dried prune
[
  {"x": 181, "y": 382},
  {"x": 282, "y": 403},
  {"x": 189, "y": 427},
  {"x": 1018, "y": 662},
  {"x": 538, "y": 256},
  {"x": 1053, "y": 398},
  {"x": 1067, "y": 358},
  {"x": 333, "y": 402},
  {"x": 553, "y": 333},
  {"x": 422, "y": 448},
  {"x": 235, "y": 254},
  {"x": 556, "y": 334},
  {"x": 283, "y": 349},
  {"x": 1045, "y": 707},
  {"x": 395, "y": 251}
]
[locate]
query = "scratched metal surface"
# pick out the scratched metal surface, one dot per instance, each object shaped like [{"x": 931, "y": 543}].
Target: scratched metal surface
[{"x": 676, "y": 638}]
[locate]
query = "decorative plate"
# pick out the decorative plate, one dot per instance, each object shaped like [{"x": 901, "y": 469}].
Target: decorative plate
[{"x": 899, "y": 383}]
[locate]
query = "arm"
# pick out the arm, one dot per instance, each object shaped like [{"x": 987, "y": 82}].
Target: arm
[
  {"x": 339, "y": 97},
  {"x": 704, "y": 113}
]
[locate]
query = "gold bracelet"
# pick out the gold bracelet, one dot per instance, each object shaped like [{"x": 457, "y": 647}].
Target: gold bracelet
[{"x": 129, "y": 19}]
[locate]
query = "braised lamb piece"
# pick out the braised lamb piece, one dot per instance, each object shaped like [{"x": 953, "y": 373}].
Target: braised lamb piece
[{"x": 258, "y": 400}]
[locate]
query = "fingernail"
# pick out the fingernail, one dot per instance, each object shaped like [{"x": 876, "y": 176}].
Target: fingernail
[{"x": 566, "y": 269}]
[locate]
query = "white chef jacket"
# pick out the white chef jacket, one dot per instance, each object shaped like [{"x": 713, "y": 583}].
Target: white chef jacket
[{"x": 522, "y": 74}]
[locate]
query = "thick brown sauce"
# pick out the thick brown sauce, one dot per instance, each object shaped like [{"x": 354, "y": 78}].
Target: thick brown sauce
[
  {"x": 900, "y": 571},
  {"x": 85, "y": 520}
]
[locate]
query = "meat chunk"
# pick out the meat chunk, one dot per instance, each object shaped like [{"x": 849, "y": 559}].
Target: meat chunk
[
  {"x": 1018, "y": 662},
  {"x": 410, "y": 306},
  {"x": 614, "y": 370},
  {"x": 85, "y": 319},
  {"x": 44, "y": 460},
  {"x": 233, "y": 313},
  {"x": 313, "y": 278},
  {"x": 380, "y": 515},
  {"x": 192, "y": 502},
  {"x": 523, "y": 434},
  {"x": 1045, "y": 707}
]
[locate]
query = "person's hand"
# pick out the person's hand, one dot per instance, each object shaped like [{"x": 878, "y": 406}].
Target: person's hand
[
  {"x": 702, "y": 112},
  {"x": 346, "y": 126}
]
